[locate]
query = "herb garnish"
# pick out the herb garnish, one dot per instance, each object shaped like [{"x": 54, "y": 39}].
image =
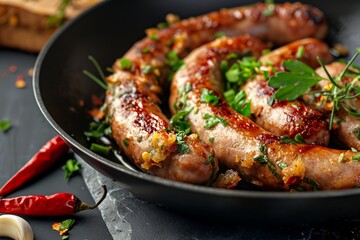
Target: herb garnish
[
  {"x": 59, "y": 17},
  {"x": 208, "y": 96},
  {"x": 300, "y": 52},
  {"x": 71, "y": 167},
  {"x": 356, "y": 132},
  {"x": 294, "y": 83},
  {"x": 220, "y": 34},
  {"x": 174, "y": 62},
  {"x": 5, "y": 125},
  {"x": 211, "y": 121},
  {"x": 147, "y": 69},
  {"x": 270, "y": 8},
  {"x": 297, "y": 139},
  {"x": 100, "y": 81},
  {"x": 100, "y": 149},
  {"x": 301, "y": 78},
  {"x": 263, "y": 159},
  {"x": 356, "y": 157},
  {"x": 238, "y": 102},
  {"x": 235, "y": 76}
]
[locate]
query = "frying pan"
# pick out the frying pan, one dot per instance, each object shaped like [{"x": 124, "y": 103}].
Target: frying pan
[{"x": 106, "y": 32}]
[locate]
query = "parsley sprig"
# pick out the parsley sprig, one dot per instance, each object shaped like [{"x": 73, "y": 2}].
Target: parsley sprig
[
  {"x": 300, "y": 78},
  {"x": 235, "y": 76}
]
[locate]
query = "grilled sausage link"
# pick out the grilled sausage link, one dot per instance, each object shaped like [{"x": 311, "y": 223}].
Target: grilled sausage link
[
  {"x": 346, "y": 130},
  {"x": 259, "y": 156},
  {"x": 289, "y": 118},
  {"x": 133, "y": 97}
]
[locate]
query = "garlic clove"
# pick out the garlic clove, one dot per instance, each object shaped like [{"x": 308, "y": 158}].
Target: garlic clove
[{"x": 15, "y": 227}]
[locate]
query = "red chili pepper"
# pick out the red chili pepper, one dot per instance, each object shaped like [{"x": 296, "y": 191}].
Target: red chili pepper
[
  {"x": 54, "y": 205},
  {"x": 46, "y": 157}
]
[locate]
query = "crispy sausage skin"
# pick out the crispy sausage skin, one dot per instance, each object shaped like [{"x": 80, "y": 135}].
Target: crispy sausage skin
[
  {"x": 289, "y": 118},
  {"x": 133, "y": 98},
  {"x": 346, "y": 130},
  {"x": 242, "y": 145}
]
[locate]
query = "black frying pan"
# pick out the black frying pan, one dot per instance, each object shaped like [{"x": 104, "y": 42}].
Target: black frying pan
[{"x": 106, "y": 32}]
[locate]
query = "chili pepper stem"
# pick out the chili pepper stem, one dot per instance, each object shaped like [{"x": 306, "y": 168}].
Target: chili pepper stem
[{"x": 81, "y": 206}]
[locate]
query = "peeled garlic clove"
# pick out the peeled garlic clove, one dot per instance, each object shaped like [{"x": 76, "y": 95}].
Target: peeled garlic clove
[{"x": 15, "y": 227}]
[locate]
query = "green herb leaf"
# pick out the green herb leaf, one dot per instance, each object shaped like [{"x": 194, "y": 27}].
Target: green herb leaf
[
  {"x": 58, "y": 18},
  {"x": 238, "y": 102},
  {"x": 208, "y": 96},
  {"x": 293, "y": 84},
  {"x": 154, "y": 37},
  {"x": 67, "y": 224},
  {"x": 5, "y": 125},
  {"x": 71, "y": 167},
  {"x": 211, "y": 121},
  {"x": 298, "y": 138},
  {"x": 174, "y": 62},
  {"x": 211, "y": 140},
  {"x": 147, "y": 69},
  {"x": 220, "y": 34},
  {"x": 356, "y": 132},
  {"x": 356, "y": 157},
  {"x": 124, "y": 63},
  {"x": 100, "y": 149},
  {"x": 126, "y": 143},
  {"x": 300, "y": 52}
]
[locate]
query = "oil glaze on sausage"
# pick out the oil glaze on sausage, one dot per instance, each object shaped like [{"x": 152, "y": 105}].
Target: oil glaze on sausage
[
  {"x": 139, "y": 126},
  {"x": 242, "y": 145}
]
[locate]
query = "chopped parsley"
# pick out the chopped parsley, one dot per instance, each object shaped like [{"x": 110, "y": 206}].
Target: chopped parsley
[
  {"x": 211, "y": 139},
  {"x": 125, "y": 64},
  {"x": 208, "y": 96},
  {"x": 154, "y": 37},
  {"x": 5, "y": 125},
  {"x": 212, "y": 121},
  {"x": 125, "y": 142},
  {"x": 263, "y": 159},
  {"x": 235, "y": 76},
  {"x": 300, "y": 52},
  {"x": 71, "y": 167},
  {"x": 147, "y": 69},
  {"x": 356, "y": 132},
  {"x": 238, "y": 101},
  {"x": 220, "y": 34},
  {"x": 181, "y": 144},
  {"x": 174, "y": 62},
  {"x": 297, "y": 139},
  {"x": 356, "y": 157}
]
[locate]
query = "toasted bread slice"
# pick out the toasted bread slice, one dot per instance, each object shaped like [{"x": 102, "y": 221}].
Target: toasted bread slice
[{"x": 28, "y": 24}]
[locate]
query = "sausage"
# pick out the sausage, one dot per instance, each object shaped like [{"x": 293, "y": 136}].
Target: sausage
[
  {"x": 289, "y": 118},
  {"x": 133, "y": 97},
  {"x": 258, "y": 155},
  {"x": 346, "y": 130}
]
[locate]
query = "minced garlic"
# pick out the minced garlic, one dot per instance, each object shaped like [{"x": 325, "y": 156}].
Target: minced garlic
[
  {"x": 295, "y": 172},
  {"x": 161, "y": 143}
]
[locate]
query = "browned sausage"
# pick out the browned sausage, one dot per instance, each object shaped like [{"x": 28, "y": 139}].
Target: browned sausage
[
  {"x": 289, "y": 118},
  {"x": 346, "y": 130},
  {"x": 133, "y": 95},
  {"x": 259, "y": 156}
]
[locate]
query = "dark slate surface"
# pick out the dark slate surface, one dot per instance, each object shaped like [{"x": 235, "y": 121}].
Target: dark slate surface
[{"x": 29, "y": 132}]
